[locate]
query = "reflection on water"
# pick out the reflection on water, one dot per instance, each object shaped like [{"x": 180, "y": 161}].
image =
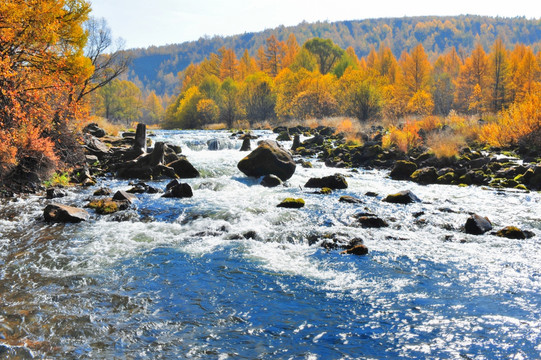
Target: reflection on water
[{"x": 226, "y": 274}]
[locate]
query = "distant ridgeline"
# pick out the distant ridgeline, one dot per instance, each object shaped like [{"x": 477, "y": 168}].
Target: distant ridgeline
[{"x": 156, "y": 68}]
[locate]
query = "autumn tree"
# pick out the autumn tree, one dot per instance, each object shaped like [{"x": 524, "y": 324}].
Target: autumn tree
[
  {"x": 292, "y": 49},
  {"x": 247, "y": 65},
  {"x": 472, "y": 82},
  {"x": 42, "y": 67},
  {"x": 499, "y": 76},
  {"x": 230, "y": 109},
  {"x": 275, "y": 53},
  {"x": 229, "y": 65}
]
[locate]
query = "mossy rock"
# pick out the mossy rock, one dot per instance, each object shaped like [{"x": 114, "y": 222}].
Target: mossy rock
[
  {"x": 283, "y": 136},
  {"x": 511, "y": 232},
  {"x": 325, "y": 191},
  {"x": 402, "y": 197},
  {"x": 446, "y": 178},
  {"x": 425, "y": 176},
  {"x": 508, "y": 183},
  {"x": 403, "y": 170},
  {"x": 307, "y": 165},
  {"x": 519, "y": 178},
  {"x": 292, "y": 203},
  {"x": 521, "y": 187},
  {"x": 104, "y": 207}
]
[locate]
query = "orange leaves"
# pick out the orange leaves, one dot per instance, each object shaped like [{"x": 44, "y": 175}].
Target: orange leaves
[{"x": 405, "y": 139}]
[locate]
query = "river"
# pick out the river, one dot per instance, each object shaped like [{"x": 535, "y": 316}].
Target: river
[{"x": 228, "y": 275}]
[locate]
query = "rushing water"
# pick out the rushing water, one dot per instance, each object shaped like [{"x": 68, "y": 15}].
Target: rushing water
[{"x": 227, "y": 274}]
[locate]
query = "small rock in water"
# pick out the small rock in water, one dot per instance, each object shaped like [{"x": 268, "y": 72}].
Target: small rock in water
[
  {"x": 333, "y": 182},
  {"x": 513, "y": 232},
  {"x": 123, "y": 195},
  {"x": 292, "y": 203},
  {"x": 372, "y": 222},
  {"x": 271, "y": 181},
  {"x": 477, "y": 225},
  {"x": 176, "y": 189},
  {"x": 103, "y": 192},
  {"x": 350, "y": 199},
  {"x": 356, "y": 250},
  {"x": 53, "y": 193},
  {"x": 246, "y": 144},
  {"x": 402, "y": 197}
]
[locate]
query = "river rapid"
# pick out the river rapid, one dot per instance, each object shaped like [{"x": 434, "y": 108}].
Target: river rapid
[{"x": 227, "y": 274}]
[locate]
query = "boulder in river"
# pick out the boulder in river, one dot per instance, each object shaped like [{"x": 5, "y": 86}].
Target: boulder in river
[
  {"x": 402, "y": 197},
  {"x": 427, "y": 175},
  {"x": 477, "y": 225},
  {"x": 350, "y": 199},
  {"x": 268, "y": 158},
  {"x": 64, "y": 213},
  {"x": 184, "y": 169},
  {"x": 333, "y": 182}
]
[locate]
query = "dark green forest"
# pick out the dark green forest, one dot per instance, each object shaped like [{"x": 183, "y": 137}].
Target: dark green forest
[{"x": 156, "y": 68}]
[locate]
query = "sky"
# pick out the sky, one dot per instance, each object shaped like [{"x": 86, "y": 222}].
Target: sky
[{"x": 142, "y": 23}]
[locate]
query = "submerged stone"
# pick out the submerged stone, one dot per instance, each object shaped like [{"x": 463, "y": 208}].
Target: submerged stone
[{"x": 64, "y": 213}]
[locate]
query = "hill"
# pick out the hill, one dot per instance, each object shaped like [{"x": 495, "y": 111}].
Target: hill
[{"x": 156, "y": 68}]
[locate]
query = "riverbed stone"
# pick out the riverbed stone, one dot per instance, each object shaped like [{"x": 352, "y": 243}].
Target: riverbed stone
[
  {"x": 268, "y": 158},
  {"x": 184, "y": 169},
  {"x": 178, "y": 190},
  {"x": 427, "y": 175},
  {"x": 64, "y": 213},
  {"x": 124, "y": 195},
  {"x": 246, "y": 144},
  {"x": 350, "y": 199},
  {"x": 291, "y": 203},
  {"x": 513, "y": 232},
  {"x": 356, "y": 250},
  {"x": 403, "y": 170},
  {"x": 371, "y": 222},
  {"x": 271, "y": 181},
  {"x": 333, "y": 182},
  {"x": 477, "y": 225},
  {"x": 402, "y": 197}
]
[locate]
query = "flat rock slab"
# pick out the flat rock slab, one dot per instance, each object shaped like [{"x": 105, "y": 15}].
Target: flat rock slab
[{"x": 64, "y": 214}]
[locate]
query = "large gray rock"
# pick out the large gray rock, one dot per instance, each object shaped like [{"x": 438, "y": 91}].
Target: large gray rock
[
  {"x": 64, "y": 213},
  {"x": 268, "y": 158}
]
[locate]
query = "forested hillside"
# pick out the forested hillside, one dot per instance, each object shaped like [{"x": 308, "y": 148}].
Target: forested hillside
[{"x": 156, "y": 68}]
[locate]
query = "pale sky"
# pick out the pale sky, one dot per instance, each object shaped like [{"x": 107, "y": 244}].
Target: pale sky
[{"x": 142, "y": 23}]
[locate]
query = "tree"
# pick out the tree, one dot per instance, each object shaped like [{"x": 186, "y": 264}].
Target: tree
[
  {"x": 182, "y": 113},
  {"x": 247, "y": 65},
  {"x": 257, "y": 97},
  {"x": 472, "y": 81},
  {"x": 499, "y": 76},
  {"x": 292, "y": 49},
  {"x": 207, "y": 111},
  {"x": 120, "y": 101},
  {"x": 326, "y": 52},
  {"x": 416, "y": 70},
  {"x": 275, "y": 53},
  {"x": 106, "y": 57},
  {"x": 42, "y": 68},
  {"x": 153, "y": 111},
  {"x": 229, "y": 66},
  {"x": 230, "y": 108}
]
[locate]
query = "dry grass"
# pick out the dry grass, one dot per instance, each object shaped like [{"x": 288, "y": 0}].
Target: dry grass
[
  {"x": 216, "y": 126},
  {"x": 445, "y": 144},
  {"x": 110, "y": 128}
]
